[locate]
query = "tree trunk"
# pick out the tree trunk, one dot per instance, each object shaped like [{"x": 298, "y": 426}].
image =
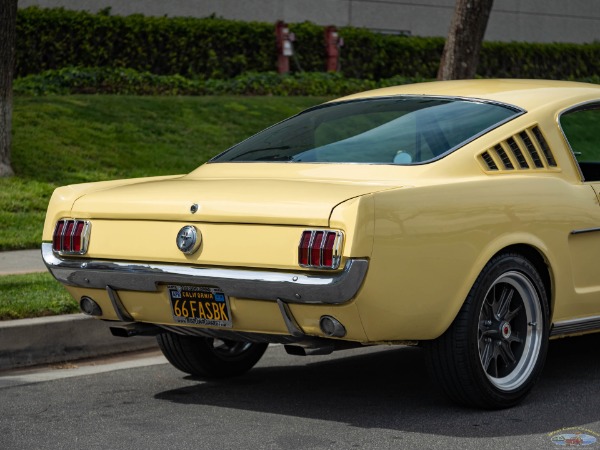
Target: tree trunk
[
  {"x": 8, "y": 24},
  {"x": 461, "y": 52}
]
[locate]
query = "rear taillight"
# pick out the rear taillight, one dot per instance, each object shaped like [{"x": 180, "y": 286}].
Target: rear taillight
[
  {"x": 320, "y": 249},
  {"x": 71, "y": 236}
]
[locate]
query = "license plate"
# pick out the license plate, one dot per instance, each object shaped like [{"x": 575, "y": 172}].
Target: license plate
[{"x": 196, "y": 305}]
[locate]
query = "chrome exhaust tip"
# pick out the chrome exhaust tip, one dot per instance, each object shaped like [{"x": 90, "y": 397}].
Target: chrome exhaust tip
[
  {"x": 332, "y": 327},
  {"x": 89, "y": 307}
]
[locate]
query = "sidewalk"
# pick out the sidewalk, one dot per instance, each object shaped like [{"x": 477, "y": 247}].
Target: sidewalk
[
  {"x": 46, "y": 340},
  {"x": 21, "y": 261}
]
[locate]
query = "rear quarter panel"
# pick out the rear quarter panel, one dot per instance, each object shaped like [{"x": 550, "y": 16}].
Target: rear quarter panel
[
  {"x": 431, "y": 243},
  {"x": 433, "y": 237}
]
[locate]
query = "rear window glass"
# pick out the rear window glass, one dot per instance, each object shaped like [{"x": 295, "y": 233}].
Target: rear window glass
[{"x": 394, "y": 130}]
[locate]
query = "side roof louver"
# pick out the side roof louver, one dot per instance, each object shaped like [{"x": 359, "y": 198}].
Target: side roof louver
[{"x": 526, "y": 150}]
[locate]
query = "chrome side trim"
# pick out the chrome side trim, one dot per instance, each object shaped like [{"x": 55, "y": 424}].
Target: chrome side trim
[
  {"x": 586, "y": 230},
  {"x": 575, "y": 326},
  {"x": 291, "y": 287}
]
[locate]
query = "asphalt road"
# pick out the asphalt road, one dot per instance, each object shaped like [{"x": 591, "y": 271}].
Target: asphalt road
[{"x": 366, "y": 399}]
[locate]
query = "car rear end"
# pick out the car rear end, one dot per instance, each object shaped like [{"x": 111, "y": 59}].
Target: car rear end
[{"x": 271, "y": 261}]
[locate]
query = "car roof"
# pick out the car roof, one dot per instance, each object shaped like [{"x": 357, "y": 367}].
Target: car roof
[{"x": 526, "y": 94}]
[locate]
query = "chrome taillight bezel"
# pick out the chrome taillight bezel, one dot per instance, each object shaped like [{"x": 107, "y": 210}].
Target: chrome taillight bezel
[
  {"x": 60, "y": 240},
  {"x": 336, "y": 256}
]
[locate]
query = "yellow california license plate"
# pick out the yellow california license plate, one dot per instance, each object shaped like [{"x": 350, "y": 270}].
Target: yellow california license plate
[{"x": 196, "y": 305}]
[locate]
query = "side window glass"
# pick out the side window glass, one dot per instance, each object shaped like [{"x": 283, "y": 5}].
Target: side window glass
[{"x": 582, "y": 130}]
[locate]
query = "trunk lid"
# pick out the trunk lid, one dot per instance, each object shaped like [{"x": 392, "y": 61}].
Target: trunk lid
[{"x": 287, "y": 200}]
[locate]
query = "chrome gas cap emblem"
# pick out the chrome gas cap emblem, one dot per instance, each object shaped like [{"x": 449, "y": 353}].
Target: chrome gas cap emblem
[{"x": 188, "y": 239}]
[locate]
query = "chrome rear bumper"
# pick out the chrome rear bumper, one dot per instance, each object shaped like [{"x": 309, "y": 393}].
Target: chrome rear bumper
[{"x": 291, "y": 287}]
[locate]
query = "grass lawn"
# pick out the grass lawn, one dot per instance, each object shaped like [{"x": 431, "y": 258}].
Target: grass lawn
[
  {"x": 60, "y": 140},
  {"x": 33, "y": 295}
]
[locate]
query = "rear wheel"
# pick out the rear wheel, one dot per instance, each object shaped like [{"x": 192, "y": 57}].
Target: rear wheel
[
  {"x": 208, "y": 357},
  {"x": 494, "y": 351}
]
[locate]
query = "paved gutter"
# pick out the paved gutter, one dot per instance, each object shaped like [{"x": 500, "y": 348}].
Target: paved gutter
[{"x": 30, "y": 342}]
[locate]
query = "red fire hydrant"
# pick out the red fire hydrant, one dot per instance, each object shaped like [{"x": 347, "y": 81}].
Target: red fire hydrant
[
  {"x": 333, "y": 42},
  {"x": 285, "y": 48}
]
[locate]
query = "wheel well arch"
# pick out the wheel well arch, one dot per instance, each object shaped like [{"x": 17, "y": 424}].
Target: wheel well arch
[{"x": 541, "y": 264}]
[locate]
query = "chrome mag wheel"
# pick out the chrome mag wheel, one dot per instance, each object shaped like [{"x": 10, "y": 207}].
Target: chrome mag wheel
[
  {"x": 510, "y": 331},
  {"x": 493, "y": 353}
]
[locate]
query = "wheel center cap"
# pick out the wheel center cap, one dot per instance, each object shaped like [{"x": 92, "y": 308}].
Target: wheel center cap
[{"x": 506, "y": 330}]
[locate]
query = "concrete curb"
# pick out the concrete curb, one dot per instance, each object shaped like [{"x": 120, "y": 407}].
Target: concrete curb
[
  {"x": 28, "y": 342},
  {"x": 56, "y": 339}
]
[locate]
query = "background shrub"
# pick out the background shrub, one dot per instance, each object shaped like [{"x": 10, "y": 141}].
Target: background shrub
[
  {"x": 57, "y": 38},
  {"x": 106, "y": 80},
  {"x": 52, "y": 39}
]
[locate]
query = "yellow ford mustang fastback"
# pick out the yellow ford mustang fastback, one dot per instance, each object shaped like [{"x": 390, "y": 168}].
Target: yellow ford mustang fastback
[{"x": 461, "y": 216}]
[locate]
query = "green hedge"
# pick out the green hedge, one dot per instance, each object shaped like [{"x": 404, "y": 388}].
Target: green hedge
[
  {"x": 526, "y": 60},
  {"x": 128, "y": 81},
  {"x": 50, "y": 39},
  {"x": 55, "y": 38}
]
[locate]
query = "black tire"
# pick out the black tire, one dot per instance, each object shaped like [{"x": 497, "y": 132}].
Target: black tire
[
  {"x": 209, "y": 358},
  {"x": 494, "y": 351}
]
